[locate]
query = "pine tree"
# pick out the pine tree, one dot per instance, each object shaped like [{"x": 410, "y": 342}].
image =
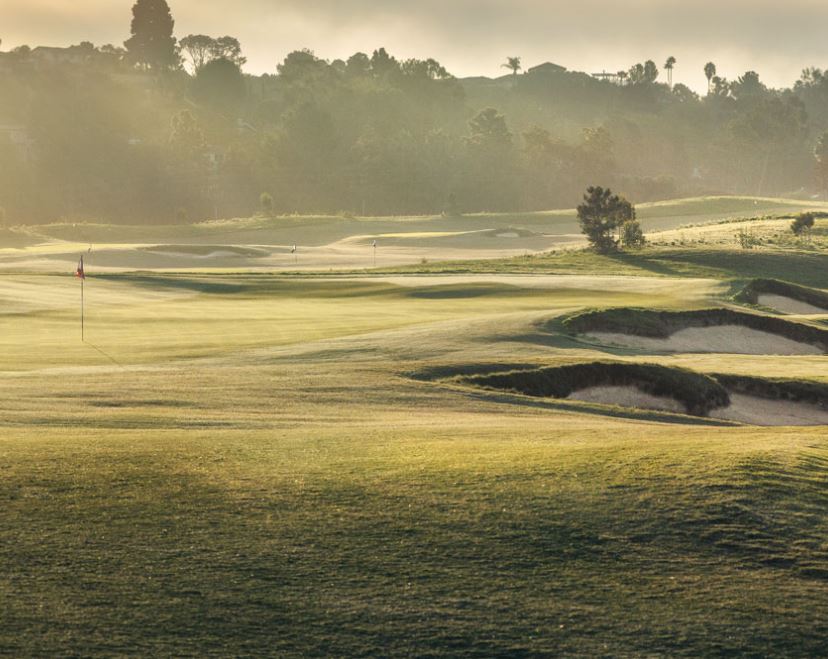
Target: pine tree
[{"x": 152, "y": 44}]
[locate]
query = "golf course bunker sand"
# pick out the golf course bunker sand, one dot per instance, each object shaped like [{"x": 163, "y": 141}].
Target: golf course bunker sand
[
  {"x": 701, "y": 331},
  {"x": 642, "y": 386},
  {"x": 733, "y": 339},
  {"x": 627, "y": 396},
  {"x": 784, "y": 297},
  {"x": 789, "y": 305},
  {"x": 757, "y": 411}
]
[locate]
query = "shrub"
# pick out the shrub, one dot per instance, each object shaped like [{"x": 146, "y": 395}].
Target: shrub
[
  {"x": 632, "y": 236},
  {"x": 803, "y": 224},
  {"x": 747, "y": 240}
]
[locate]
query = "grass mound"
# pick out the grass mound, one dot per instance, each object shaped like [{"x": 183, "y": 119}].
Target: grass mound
[
  {"x": 797, "y": 391},
  {"x": 750, "y": 293},
  {"x": 662, "y": 324},
  {"x": 207, "y": 250},
  {"x": 698, "y": 393}
]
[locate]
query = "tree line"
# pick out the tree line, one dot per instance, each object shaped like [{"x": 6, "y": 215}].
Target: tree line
[{"x": 166, "y": 129}]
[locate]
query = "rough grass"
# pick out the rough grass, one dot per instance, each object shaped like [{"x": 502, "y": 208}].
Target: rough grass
[
  {"x": 662, "y": 324},
  {"x": 698, "y": 393},
  {"x": 751, "y": 292}
]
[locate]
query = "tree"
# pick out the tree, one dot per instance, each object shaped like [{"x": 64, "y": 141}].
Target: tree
[
  {"x": 489, "y": 131},
  {"x": 513, "y": 64},
  {"x": 803, "y": 224},
  {"x": 198, "y": 49},
  {"x": 821, "y": 155},
  {"x": 709, "y": 72},
  {"x": 228, "y": 48},
  {"x": 669, "y": 65},
  {"x": 650, "y": 71},
  {"x": 600, "y": 215},
  {"x": 646, "y": 73},
  {"x": 632, "y": 235},
  {"x": 220, "y": 83},
  {"x": 152, "y": 44}
]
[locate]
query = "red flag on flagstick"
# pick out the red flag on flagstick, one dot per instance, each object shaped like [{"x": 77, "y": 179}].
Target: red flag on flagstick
[{"x": 79, "y": 272}]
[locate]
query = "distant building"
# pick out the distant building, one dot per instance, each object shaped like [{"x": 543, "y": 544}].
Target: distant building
[
  {"x": 614, "y": 78},
  {"x": 48, "y": 55},
  {"x": 547, "y": 67}
]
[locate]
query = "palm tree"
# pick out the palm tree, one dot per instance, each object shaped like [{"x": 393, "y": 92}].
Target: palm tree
[
  {"x": 513, "y": 64},
  {"x": 671, "y": 62},
  {"x": 709, "y": 72}
]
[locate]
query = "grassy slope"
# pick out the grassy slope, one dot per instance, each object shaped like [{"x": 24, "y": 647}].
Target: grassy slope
[
  {"x": 296, "y": 494},
  {"x": 319, "y": 230}
]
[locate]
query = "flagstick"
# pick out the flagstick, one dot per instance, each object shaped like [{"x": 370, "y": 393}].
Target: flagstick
[{"x": 82, "y": 339}]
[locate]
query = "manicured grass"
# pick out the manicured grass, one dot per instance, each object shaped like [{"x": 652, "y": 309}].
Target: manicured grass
[{"x": 242, "y": 465}]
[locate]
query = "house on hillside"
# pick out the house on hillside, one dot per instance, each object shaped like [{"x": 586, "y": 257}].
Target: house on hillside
[
  {"x": 546, "y": 68},
  {"x": 48, "y": 55}
]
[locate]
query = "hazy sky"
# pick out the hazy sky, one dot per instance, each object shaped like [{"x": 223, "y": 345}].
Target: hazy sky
[{"x": 473, "y": 37}]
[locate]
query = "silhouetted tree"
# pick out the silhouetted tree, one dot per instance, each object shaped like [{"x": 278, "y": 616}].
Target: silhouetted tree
[
  {"x": 513, "y": 64},
  {"x": 219, "y": 83},
  {"x": 152, "y": 44},
  {"x": 600, "y": 215},
  {"x": 709, "y": 72},
  {"x": 198, "y": 49},
  {"x": 669, "y": 65}
]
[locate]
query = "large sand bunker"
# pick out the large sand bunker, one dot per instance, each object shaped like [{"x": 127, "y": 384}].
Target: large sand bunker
[
  {"x": 784, "y": 297},
  {"x": 627, "y": 396},
  {"x": 764, "y": 412},
  {"x": 721, "y": 330},
  {"x": 737, "y": 398},
  {"x": 734, "y": 339},
  {"x": 789, "y": 305}
]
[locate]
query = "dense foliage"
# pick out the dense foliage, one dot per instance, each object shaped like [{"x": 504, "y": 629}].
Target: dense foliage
[{"x": 95, "y": 133}]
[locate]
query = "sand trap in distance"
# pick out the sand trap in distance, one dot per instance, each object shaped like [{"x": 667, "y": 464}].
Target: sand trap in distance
[
  {"x": 789, "y": 305},
  {"x": 627, "y": 396},
  {"x": 734, "y": 339},
  {"x": 765, "y": 412}
]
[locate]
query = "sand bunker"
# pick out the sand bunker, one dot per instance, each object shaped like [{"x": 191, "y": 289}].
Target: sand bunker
[
  {"x": 627, "y": 397},
  {"x": 750, "y": 410},
  {"x": 734, "y": 339},
  {"x": 764, "y": 412},
  {"x": 789, "y": 305}
]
